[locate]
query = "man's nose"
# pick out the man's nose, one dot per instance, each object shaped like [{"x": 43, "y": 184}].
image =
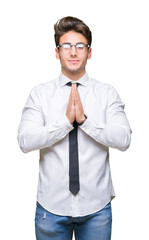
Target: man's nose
[{"x": 73, "y": 50}]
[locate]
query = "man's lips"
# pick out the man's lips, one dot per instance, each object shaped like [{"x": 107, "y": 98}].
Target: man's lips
[{"x": 73, "y": 61}]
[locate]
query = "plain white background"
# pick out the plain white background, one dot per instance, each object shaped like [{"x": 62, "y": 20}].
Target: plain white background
[{"x": 120, "y": 57}]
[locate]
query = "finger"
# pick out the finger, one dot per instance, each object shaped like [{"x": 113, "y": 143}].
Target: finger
[
  {"x": 72, "y": 94},
  {"x": 74, "y": 86},
  {"x": 77, "y": 98}
]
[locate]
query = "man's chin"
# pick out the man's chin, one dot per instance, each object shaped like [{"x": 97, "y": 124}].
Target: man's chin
[{"x": 75, "y": 70}]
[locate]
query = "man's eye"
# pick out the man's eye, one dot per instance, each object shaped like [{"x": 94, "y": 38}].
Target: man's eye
[
  {"x": 66, "y": 46},
  {"x": 80, "y": 46}
]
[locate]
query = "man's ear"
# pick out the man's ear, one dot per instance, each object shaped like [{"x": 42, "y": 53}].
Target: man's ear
[
  {"x": 90, "y": 53},
  {"x": 57, "y": 53}
]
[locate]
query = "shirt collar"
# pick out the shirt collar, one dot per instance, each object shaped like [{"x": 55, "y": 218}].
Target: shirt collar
[{"x": 63, "y": 80}]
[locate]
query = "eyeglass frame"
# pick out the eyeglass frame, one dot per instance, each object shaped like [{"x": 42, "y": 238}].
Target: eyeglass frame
[{"x": 71, "y": 45}]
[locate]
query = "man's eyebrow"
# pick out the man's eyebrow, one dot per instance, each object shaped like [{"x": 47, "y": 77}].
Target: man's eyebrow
[
  {"x": 80, "y": 42},
  {"x": 72, "y": 44},
  {"x": 65, "y": 43}
]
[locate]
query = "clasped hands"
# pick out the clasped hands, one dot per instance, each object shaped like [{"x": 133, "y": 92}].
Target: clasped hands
[{"x": 75, "y": 110}]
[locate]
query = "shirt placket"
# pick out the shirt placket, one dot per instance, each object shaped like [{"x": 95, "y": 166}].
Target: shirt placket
[{"x": 74, "y": 206}]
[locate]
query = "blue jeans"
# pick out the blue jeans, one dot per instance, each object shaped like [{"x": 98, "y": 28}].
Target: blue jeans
[{"x": 96, "y": 226}]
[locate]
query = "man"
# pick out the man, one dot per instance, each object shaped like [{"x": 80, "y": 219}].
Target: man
[{"x": 73, "y": 121}]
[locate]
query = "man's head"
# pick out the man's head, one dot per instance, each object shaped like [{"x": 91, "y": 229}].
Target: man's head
[{"x": 73, "y": 46}]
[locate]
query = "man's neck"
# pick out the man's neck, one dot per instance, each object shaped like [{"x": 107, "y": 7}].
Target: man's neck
[{"x": 74, "y": 76}]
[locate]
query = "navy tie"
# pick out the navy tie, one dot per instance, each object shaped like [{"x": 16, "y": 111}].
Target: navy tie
[{"x": 74, "y": 185}]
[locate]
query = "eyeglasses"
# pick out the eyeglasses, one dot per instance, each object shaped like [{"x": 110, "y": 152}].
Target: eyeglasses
[{"x": 80, "y": 47}]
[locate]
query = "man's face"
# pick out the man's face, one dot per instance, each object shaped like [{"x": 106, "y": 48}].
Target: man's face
[{"x": 72, "y": 61}]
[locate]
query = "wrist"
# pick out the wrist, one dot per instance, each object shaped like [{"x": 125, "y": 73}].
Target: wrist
[
  {"x": 85, "y": 117},
  {"x": 70, "y": 119}
]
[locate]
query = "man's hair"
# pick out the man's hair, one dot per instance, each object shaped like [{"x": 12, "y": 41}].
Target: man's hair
[{"x": 67, "y": 24}]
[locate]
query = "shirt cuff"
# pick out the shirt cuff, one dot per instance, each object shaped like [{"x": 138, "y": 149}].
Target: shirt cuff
[
  {"x": 90, "y": 126},
  {"x": 63, "y": 125}
]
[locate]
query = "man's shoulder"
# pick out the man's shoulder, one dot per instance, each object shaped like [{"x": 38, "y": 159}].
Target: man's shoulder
[
  {"x": 46, "y": 85},
  {"x": 44, "y": 88},
  {"x": 99, "y": 84}
]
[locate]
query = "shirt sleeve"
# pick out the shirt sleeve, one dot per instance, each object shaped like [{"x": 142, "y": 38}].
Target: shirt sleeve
[
  {"x": 33, "y": 134},
  {"x": 115, "y": 132}
]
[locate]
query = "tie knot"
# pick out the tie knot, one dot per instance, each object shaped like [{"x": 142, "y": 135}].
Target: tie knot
[{"x": 70, "y": 84}]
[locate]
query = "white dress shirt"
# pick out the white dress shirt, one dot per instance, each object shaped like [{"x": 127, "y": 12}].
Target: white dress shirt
[{"x": 44, "y": 126}]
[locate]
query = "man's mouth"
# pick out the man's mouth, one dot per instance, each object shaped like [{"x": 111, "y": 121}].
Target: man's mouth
[{"x": 73, "y": 61}]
